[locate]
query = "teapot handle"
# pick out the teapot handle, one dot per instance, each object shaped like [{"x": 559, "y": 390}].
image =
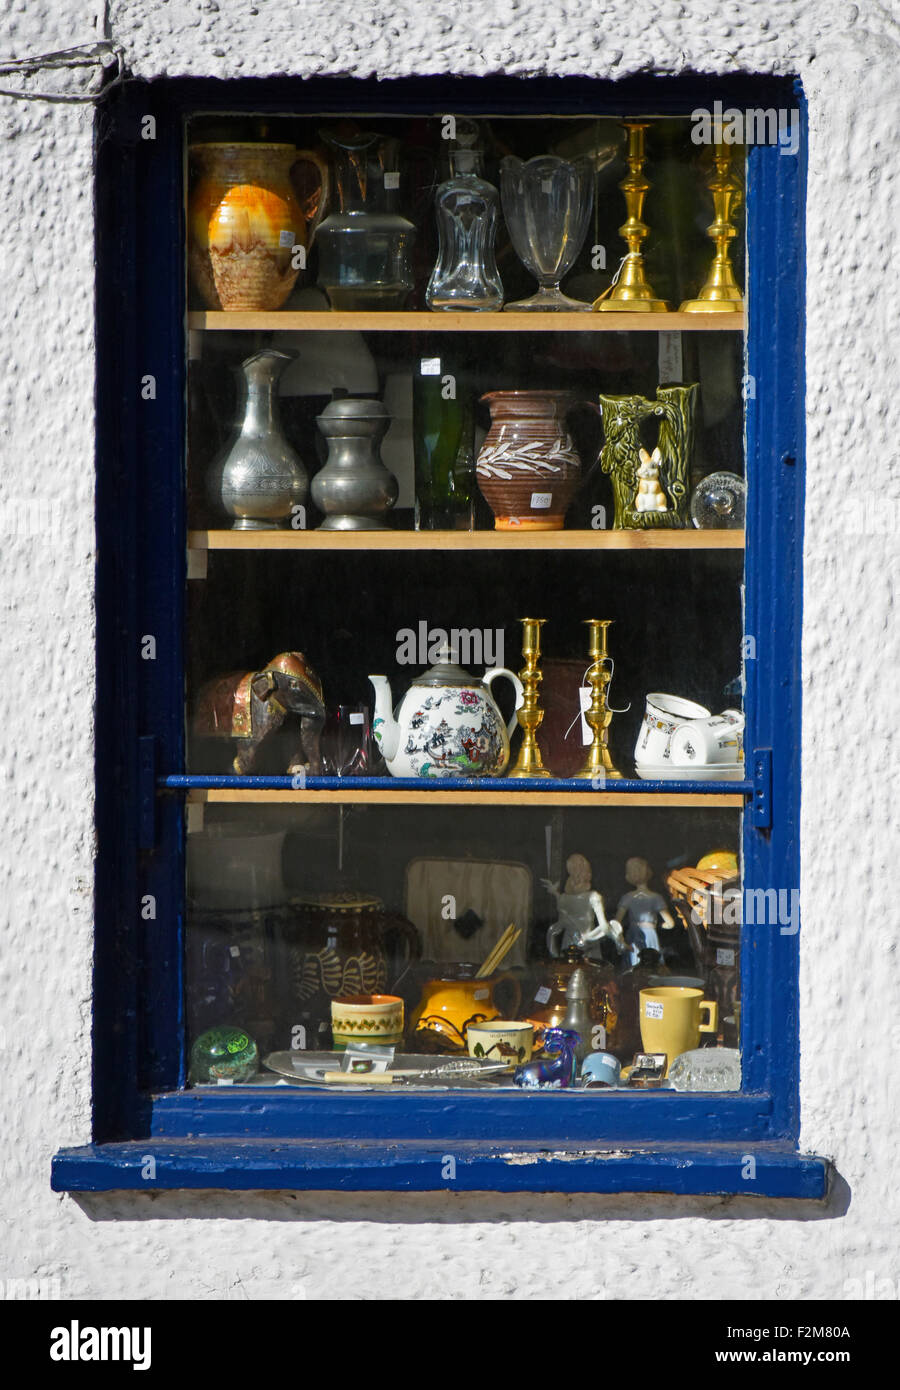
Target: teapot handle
[{"x": 520, "y": 692}]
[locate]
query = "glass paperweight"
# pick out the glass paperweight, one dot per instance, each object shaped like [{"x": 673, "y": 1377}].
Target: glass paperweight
[
  {"x": 223, "y": 1054},
  {"x": 719, "y": 503},
  {"x": 707, "y": 1069}
]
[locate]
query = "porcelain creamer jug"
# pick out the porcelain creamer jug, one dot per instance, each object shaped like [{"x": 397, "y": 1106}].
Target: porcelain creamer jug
[{"x": 447, "y": 724}]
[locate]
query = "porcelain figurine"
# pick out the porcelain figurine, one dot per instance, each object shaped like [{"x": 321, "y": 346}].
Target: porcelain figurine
[
  {"x": 650, "y": 496},
  {"x": 641, "y": 911},
  {"x": 447, "y": 724},
  {"x": 251, "y": 706},
  {"x": 582, "y": 920},
  {"x": 554, "y": 1072}
]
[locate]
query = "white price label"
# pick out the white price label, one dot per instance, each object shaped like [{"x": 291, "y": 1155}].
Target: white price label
[
  {"x": 584, "y": 700},
  {"x": 724, "y": 957},
  {"x": 546, "y": 185},
  {"x": 235, "y": 950},
  {"x": 542, "y": 995},
  {"x": 481, "y": 994},
  {"x": 540, "y": 501},
  {"x": 391, "y": 178},
  {"x": 357, "y": 718},
  {"x": 430, "y": 366},
  {"x": 653, "y": 1008},
  {"x": 286, "y": 238}
]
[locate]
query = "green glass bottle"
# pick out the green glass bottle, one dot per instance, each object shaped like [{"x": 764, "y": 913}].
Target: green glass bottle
[{"x": 444, "y": 446}]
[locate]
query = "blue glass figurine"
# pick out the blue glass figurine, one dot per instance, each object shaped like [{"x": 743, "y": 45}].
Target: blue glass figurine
[{"x": 554, "y": 1072}]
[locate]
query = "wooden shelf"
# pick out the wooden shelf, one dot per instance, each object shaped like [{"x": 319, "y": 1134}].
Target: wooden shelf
[
  {"x": 432, "y": 797},
  {"x": 466, "y": 540},
  {"x": 417, "y": 321}
]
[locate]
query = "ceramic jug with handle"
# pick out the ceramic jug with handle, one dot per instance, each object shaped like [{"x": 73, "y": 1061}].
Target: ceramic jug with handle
[
  {"x": 447, "y": 724},
  {"x": 455, "y": 999}
]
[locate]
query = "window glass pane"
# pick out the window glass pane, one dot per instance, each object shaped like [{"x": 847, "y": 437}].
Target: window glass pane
[{"x": 390, "y": 478}]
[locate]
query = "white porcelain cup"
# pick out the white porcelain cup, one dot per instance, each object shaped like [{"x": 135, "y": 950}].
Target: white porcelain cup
[
  {"x": 709, "y": 742},
  {"x": 663, "y": 715}
]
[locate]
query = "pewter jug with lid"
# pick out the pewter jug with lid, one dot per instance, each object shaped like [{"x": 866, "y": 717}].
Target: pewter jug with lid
[{"x": 354, "y": 489}]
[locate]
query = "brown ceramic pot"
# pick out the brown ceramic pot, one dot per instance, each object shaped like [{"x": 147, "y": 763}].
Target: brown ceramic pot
[
  {"x": 527, "y": 468},
  {"x": 338, "y": 945}
]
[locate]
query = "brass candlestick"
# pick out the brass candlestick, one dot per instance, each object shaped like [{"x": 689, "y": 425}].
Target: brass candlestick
[
  {"x": 598, "y": 715},
  {"x": 721, "y": 293},
  {"x": 529, "y": 762},
  {"x": 631, "y": 291}
]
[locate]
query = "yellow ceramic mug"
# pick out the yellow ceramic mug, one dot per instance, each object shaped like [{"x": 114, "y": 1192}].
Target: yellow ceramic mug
[{"x": 670, "y": 1019}]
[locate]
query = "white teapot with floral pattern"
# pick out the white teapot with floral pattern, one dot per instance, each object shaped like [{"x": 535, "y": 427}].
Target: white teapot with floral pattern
[{"x": 447, "y": 724}]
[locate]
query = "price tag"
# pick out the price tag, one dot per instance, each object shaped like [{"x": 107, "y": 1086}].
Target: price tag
[
  {"x": 235, "y": 950},
  {"x": 391, "y": 178},
  {"x": 286, "y": 238},
  {"x": 540, "y": 501},
  {"x": 653, "y": 1008},
  {"x": 542, "y": 995},
  {"x": 480, "y": 993},
  {"x": 584, "y": 700},
  {"x": 430, "y": 366},
  {"x": 724, "y": 957},
  {"x": 546, "y": 185}
]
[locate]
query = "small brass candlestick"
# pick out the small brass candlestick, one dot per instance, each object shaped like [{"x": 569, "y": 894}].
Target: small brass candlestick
[
  {"x": 721, "y": 293},
  {"x": 598, "y": 715},
  {"x": 529, "y": 762},
  {"x": 631, "y": 291}
]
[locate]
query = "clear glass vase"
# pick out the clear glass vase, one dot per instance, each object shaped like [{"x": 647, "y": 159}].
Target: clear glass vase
[
  {"x": 365, "y": 248},
  {"x": 547, "y": 205},
  {"x": 465, "y": 275}
]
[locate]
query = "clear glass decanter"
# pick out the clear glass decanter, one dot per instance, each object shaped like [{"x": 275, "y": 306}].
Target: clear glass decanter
[{"x": 465, "y": 275}]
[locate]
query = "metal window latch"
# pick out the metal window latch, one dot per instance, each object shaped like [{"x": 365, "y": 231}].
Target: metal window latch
[
  {"x": 147, "y": 792},
  {"x": 762, "y": 788}
]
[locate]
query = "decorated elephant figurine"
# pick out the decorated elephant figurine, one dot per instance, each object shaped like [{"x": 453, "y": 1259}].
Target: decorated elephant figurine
[{"x": 250, "y": 706}]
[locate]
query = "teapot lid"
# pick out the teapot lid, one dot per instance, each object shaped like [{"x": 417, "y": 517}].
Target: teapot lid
[{"x": 446, "y": 671}]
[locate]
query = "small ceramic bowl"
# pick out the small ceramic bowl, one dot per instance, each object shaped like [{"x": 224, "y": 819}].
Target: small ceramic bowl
[
  {"x": 501, "y": 1040},
  {"x": 374, "y": 1018}
]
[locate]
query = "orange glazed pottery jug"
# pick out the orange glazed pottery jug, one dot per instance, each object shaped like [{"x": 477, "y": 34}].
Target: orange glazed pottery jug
[{"x": 246, "y": 220}]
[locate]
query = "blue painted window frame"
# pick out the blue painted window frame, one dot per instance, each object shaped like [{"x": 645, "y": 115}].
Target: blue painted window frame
[{"x": 290, "y": 1138}]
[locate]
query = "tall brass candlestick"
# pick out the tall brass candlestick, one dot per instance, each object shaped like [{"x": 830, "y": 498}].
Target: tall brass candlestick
[
  {"x": 721, "y": 293},
  {"x": 598, "y": 715},
  {"x": 631, "y": 292},
  {"x": 529, "y": 762}
]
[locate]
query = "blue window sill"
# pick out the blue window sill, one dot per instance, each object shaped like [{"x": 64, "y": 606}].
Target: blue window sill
[{"x": 421, "y": 1166}]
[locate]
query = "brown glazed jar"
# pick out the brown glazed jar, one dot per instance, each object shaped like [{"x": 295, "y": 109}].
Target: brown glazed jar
[
  {"x": 527, "y": 468},
  {"x": 335, "y": 945}
]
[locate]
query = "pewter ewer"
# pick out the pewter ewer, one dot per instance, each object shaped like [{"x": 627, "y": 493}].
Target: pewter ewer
[
  {"x": 259, "y": 479},
  {"x": 354, "y": 489}
]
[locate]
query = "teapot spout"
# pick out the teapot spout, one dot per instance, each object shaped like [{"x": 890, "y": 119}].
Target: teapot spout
[{"x": 385, "y": 726}]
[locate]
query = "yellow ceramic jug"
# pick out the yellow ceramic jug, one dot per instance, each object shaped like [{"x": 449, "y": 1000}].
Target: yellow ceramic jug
[{"x": 449, "y": 1004}]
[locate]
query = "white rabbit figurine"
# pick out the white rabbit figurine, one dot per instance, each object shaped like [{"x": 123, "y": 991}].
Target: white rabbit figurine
[{"x": 650, "y": 496}]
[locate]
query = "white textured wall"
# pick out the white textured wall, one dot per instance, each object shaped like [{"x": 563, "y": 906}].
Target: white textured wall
[{"x": 283, "y": 1246}]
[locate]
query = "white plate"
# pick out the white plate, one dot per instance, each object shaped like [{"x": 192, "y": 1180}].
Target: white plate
[
  {"x": 711, "y": 772},
  {"x": 309, "y": 1068}
]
